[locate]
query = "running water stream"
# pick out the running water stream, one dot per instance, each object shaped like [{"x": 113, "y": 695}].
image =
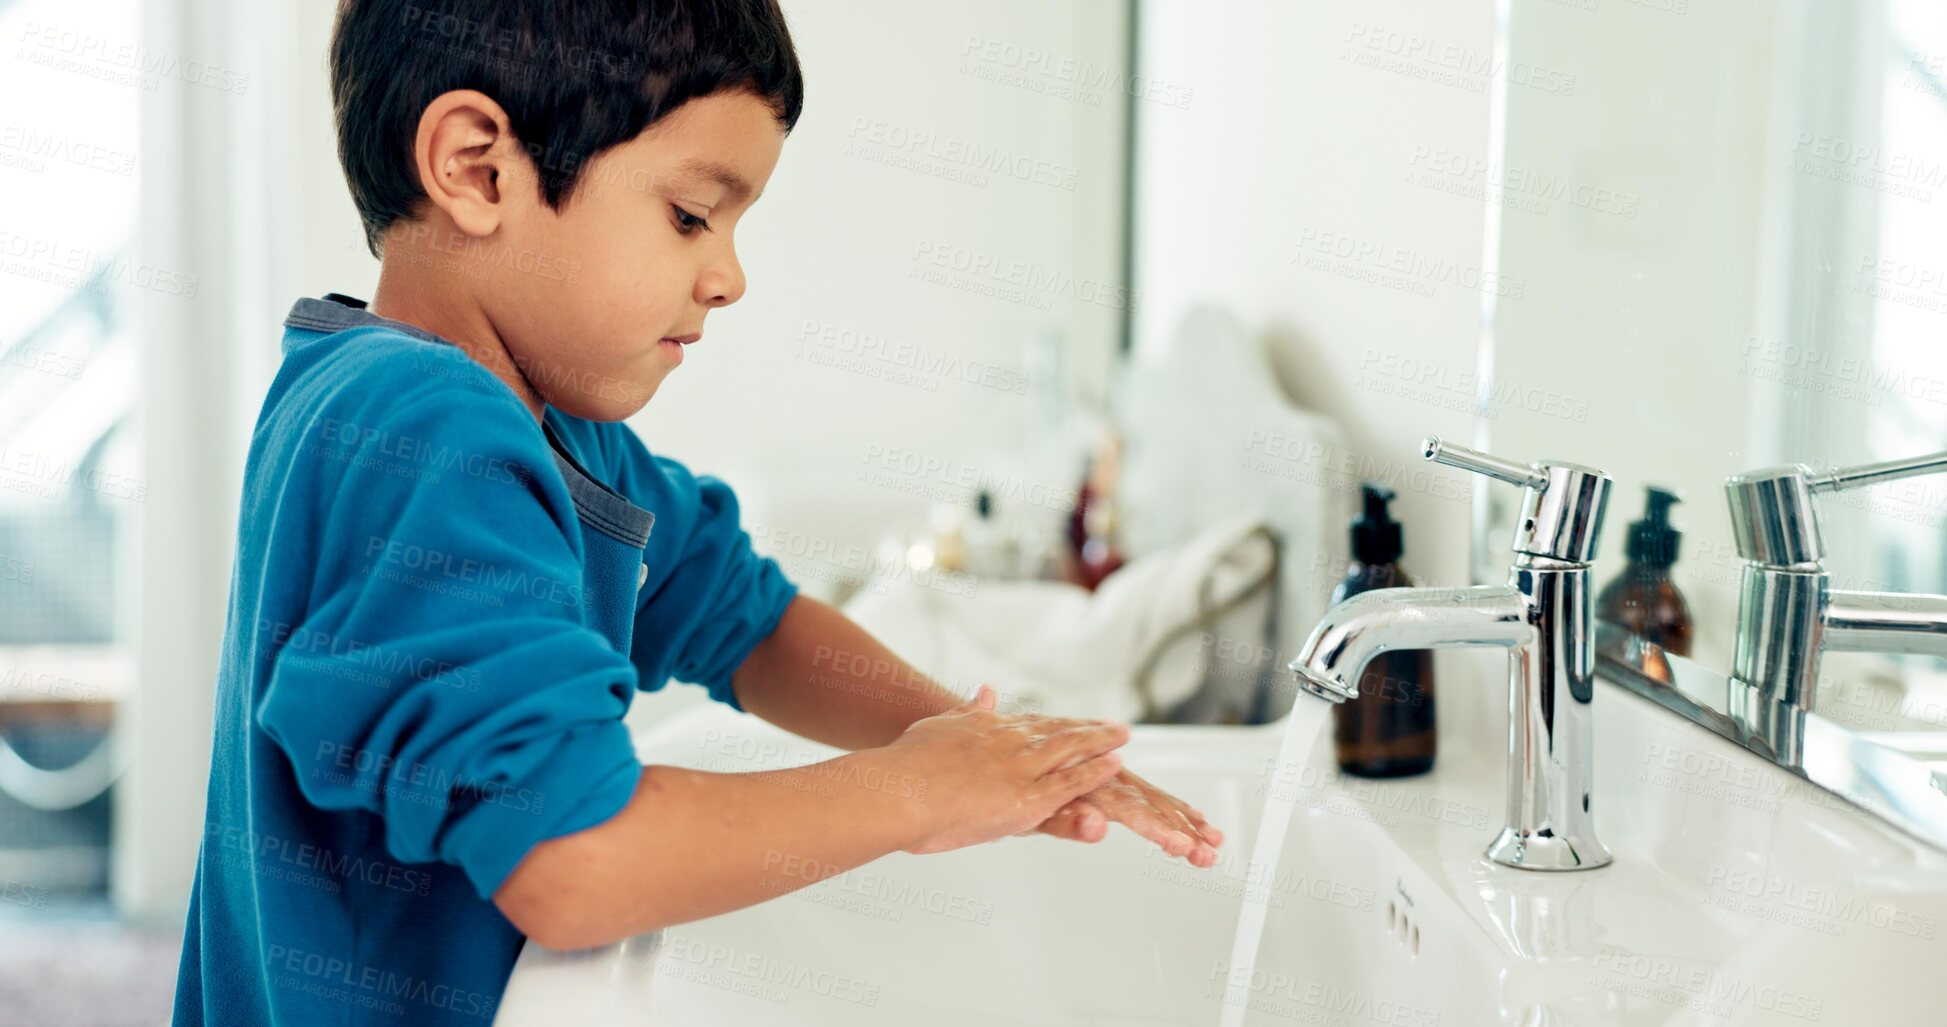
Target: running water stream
[{"x": 1302, "y": 730}]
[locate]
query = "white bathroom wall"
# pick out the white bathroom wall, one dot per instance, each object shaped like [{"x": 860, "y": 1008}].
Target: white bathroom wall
[{"x": 1301, "y": 187}]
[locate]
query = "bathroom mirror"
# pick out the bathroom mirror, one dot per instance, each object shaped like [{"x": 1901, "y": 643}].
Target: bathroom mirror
[{"x": 1728, "y": 223}]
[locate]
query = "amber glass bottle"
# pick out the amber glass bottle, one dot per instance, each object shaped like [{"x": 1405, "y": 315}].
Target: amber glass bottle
[
  {"x": 1642, "y": 598},
  {"x": 1388, "y": 731}
]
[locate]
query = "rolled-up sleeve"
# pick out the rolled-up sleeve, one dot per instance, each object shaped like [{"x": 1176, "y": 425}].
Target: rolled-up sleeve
[
  {"x": 709, "y": 597},
  {"x": 737, "y": 595},
  {"x": 442, "y": 677}
]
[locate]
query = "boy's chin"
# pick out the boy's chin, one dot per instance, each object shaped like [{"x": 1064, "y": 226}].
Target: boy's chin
[{"x": 616, "y": 401}]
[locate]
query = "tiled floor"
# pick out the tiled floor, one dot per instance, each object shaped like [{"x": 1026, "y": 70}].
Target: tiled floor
[{"x": 78, "y": 967}]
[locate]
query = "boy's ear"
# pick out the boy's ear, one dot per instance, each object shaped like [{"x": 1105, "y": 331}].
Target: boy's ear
[{"x": 467, "y": 157}]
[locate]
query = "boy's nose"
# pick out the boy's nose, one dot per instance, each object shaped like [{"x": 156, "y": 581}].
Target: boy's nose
[{"x": 722, "y": 285}]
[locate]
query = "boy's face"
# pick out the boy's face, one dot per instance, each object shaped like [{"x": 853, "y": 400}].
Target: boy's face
[{"x": 598, "y": 300}]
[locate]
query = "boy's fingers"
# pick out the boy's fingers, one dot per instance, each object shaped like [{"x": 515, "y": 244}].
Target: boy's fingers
[
  {"x": 1091, "y": 824},
  {"x": 983, "y": 698},
  {"x": 1079, "y": 821},
  {"x": 1081, "y": 778},
  {"x": 1076, "y": 744},
  {"x": 1160, "y": 818}
]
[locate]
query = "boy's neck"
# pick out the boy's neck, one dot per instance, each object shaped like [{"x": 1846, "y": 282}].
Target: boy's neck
[{"x": 408, "y": 292}]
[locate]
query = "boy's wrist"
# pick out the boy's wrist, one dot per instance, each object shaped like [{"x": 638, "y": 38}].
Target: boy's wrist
[{"x": 897, "y": 798}]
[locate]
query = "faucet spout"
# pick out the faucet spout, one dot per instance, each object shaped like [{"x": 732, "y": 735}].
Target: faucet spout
[
  {"x": 1362, "y": 627},
  {"x": 1540, "y": 617},
  {"x": 1886, "y": 622}
]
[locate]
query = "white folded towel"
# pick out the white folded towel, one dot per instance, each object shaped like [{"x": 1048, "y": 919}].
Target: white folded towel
[{"x": 1148, "y": 645}]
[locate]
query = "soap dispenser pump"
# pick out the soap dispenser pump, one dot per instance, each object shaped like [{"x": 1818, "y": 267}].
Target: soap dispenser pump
[
  {"x": 1388, "y": 731},
  {"x": 1642, "y": 598}
]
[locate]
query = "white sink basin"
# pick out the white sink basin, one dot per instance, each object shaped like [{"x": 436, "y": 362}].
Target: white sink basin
[{"x": 1738, "y": 896}]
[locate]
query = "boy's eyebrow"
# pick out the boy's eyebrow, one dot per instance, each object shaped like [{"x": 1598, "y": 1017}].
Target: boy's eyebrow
[{"x": 721, "y": 174}]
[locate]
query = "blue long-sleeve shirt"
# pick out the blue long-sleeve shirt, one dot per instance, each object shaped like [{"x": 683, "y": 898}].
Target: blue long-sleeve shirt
[{"x": 439, "y": 613}]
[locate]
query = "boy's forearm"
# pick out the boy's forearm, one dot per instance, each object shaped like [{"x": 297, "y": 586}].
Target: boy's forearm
[
  {"x": 692, "y": 844},
  {"x": 823, "y": 677}
]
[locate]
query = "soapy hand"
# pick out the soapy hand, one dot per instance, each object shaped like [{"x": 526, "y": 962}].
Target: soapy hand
[
  {"x": 1177, "y": 826},
  {"x": 991, "y": 774}
]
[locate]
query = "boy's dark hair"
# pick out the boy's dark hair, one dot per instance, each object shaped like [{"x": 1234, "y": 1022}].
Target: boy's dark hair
[{"x": 576, "y": 77}]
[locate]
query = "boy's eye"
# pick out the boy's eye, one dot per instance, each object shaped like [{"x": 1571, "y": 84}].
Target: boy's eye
[{"x": 686, "y": 222}]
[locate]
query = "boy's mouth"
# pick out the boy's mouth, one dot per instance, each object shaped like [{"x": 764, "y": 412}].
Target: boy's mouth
[{"x": 673, "y": 344}]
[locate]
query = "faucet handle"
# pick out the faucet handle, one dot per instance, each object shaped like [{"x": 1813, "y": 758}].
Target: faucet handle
[
  {"x": 1773, "y": 518},
  {"x": 1525, "y": 475},
  {"x": 1561, "y": 510},
  {"x": 1872, "y": 474}
]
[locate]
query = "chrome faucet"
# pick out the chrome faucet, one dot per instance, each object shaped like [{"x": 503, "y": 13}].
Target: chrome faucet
[
  {"x": 1788, "y": 614},
  {"x": 1541, "y": 616}
]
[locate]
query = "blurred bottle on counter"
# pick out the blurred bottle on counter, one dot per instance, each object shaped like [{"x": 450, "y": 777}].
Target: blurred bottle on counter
[
  {"x": 1642, "y": 598},
  {"x": 1094, "y": 552},
  {"x": 1388, "y": 731}
]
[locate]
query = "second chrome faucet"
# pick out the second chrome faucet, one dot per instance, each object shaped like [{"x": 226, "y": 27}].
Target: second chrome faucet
[
  {"x": 1788, "y": 612},
  {"x": 1541, "y": 617}
]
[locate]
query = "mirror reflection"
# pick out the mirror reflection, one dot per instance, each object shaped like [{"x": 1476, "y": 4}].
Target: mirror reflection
[{"x": 1734, "y": 244}]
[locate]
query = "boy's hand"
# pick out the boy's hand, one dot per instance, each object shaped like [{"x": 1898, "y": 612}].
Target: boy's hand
[
  {"x": 990, "y": 775},
  {"x": 1177, "y": 826}
]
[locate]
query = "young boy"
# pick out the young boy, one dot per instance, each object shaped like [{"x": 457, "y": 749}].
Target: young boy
[{"x": 455, "y": 565}]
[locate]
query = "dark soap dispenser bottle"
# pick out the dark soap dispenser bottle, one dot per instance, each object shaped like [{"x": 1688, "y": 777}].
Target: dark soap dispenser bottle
[
  {"x": 1642, "y": 598},
  {"x": 1388, "y": 731}
]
